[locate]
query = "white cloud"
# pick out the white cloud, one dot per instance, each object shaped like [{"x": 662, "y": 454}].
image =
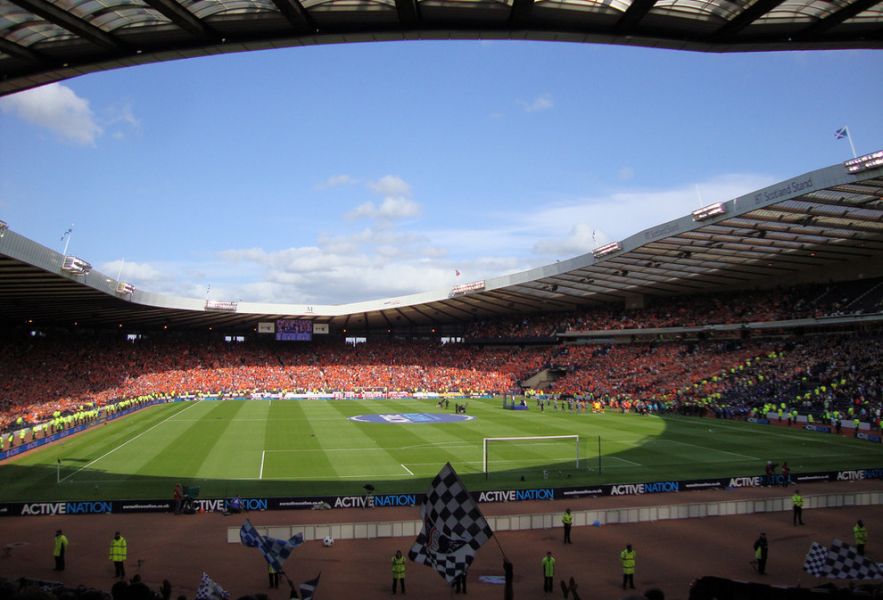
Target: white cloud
[
  {"x": 538, "y": 104},
  {"x": 57, "y": 108},
  {"x": 384, "y": 260},
  {"x": 390, "y": 185},
  {"x": 122, "y": 118},
  {"x": 145, "y": 272},
  {"x": 390, "y": 208},
  {"x": 581, "y": 239},
  {"x": 396, "y": 203},
  {"x": 335, "y": 181},
  {"x": 625, "y": 213}
]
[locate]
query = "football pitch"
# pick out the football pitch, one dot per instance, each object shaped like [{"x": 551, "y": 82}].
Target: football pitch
[{"x": 265, "y": 448}]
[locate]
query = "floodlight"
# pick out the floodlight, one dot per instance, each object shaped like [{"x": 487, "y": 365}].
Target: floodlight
[
  {"x": 75, "y": 266},
  {"x": 221, "y": 305},
  {"x": 865, "y": 163},
  {"x": 712, "y": 210},
  {"x": 126, "y": 289},
  {"x": 606, "y": 249}
]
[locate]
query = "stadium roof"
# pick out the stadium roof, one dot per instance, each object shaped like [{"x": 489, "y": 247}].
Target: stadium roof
[
  {"x": 809, "y": 226},
  {"x": 42, "y": 41}
]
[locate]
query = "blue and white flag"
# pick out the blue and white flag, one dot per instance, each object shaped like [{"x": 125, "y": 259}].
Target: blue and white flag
[
  {"x": 453, "y": 527},
  {"x": 209, "y": 590},
  {"x": 275, "y": 551},
  {"x": 308, "y": 588},
  {"x": 840, "y": 561},
  {"x": 841, "y": 133}
]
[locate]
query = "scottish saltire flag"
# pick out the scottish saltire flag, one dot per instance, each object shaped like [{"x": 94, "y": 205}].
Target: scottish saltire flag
[
  {"x": 841, "y": 133},
  {"x": 275, "y": 551},
  {"x": 209, "y": 590},
  {"x": 453, "y": 527},
  {"x": 840, "y": 561},
  {"x": 308, "y": 588}
]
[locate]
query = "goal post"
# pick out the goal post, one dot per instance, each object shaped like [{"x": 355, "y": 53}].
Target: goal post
[{"x": 488, "y": 441}]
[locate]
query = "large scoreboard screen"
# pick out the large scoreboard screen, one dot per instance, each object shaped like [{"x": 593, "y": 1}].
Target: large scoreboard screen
[{"x": 294, "y": 330}]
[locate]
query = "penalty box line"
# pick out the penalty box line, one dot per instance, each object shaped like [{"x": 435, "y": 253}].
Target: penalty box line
[
  {"x": 264, "y": 454},
  {"x": 86, "y": 466}
]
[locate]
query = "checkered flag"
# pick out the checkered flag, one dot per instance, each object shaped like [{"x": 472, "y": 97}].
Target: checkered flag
[
  {"x": 275, "y": 551},
  {"x": 453, "y": 527},
  {"x": 814, "y": 564},
  {"x": 209, "y": 590},
  {"x": 308, "y": 588},
  {"x": 844, "y": 562}
]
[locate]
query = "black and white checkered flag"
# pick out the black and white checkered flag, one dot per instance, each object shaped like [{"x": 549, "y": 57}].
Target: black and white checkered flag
[
  {"x": 814, "y": 564},
  {"x": 840, "y": 561},
  {"x": 453, "y": 527},
  {"x": 844, "y": 562}
]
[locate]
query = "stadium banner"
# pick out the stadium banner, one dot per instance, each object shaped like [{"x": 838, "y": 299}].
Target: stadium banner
[
  {"x": 266, "y": 327},
  {"x": 818, "y": 428},
  {"x": 42, "y": 441},
  {"x": 92, "y": 507},
  {"x": 321, "y": 329}
]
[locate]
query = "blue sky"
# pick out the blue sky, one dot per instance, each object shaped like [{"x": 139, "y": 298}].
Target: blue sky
[{"x": 340, "y": 173}]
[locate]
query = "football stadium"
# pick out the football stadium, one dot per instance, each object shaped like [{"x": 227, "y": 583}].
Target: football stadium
[{"x": 697, "y": 403}]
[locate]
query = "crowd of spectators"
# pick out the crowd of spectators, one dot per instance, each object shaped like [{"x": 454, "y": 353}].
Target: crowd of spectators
[
  {"x": 806, "y": 301},
  {"x": 45, "y": 377},
  {"x": 64, "y": 380}
]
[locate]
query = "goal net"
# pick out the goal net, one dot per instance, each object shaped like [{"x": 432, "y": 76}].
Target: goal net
[{"x": 550, "y": 456}]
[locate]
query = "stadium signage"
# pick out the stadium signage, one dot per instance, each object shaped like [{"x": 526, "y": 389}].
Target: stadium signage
[
  {"x": 578, "y": 493},
  {"x": 819, "y": 428},
  {"x": 860, "y": 474},
  {"x": 67, "y": 508},
  {"x": 657, "y": 487},
  {"x": 792, "y": 187},
  {"x": 372, "y": 501},
  {"x": 701, "y": 485},
  {"x": 667, "y": 229},
  {"x": 737, "y": 482},
  {"x": 354, "y": 502},
  {"x": 517, "y": 495},
  {"x": 396, "y": 500},
  {"x": 411, "y": 418},
  {"x": 868, "y": 437},
  {"x": 220, "y": 505}
]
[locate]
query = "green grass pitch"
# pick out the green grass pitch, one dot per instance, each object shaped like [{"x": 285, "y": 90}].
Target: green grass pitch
[{"x": 263, "y": 448}]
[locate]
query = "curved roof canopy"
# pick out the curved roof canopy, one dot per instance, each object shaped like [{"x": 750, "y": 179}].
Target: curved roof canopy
[
  {"x": 42, "y": 41},
  {"x": 818, "y": 225}
]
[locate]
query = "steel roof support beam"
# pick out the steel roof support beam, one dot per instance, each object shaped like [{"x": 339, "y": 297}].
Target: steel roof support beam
[
  {"x": 183, "y": 18},
  {"x": 68, "y": 21},
  {"x": 835, "y": 19},
  {"x": 297, "y": 15},
  {"x": 746, "y": 18},
  {"x": 633, "y": 15}
]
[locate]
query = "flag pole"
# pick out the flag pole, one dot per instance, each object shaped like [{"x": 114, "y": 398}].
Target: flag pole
[
  {"x": 70, "y": 232},
  {"x": 851, "y": 145}
]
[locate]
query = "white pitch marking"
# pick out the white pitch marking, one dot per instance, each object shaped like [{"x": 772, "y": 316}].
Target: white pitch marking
[
  {"x": 261, "y": 473},
  {"x": 407, "y": 469},
  {"x": 128, "y": 441}
]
